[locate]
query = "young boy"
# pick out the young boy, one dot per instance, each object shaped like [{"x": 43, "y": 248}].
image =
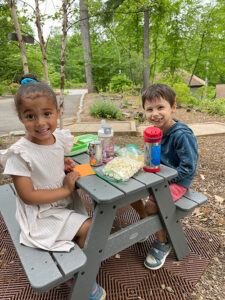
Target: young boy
[{"x": 179, "y": 150}]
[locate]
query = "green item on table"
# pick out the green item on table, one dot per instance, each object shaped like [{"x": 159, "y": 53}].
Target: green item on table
[{"x": 80, "y": 144}]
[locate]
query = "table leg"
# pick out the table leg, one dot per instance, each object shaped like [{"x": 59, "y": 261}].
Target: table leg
[
  {"x": 167, "y": 211},
  {"x": 94, "y": 247}
]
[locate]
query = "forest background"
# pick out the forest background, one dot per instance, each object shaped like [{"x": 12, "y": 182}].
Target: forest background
[
  {"x": 116, "y": 46},
  {"x": 181, "y": 34}
]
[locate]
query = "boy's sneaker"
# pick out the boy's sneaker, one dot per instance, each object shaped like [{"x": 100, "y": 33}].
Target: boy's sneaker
[
  {"x": 157, "y": 255},
  {"x": 98, "y": 293}
]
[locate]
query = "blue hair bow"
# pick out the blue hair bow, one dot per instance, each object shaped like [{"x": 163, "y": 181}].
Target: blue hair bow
[{"x": 26, "y": 80}]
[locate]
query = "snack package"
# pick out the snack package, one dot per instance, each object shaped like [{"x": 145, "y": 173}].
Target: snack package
[
  {"x": 131, "y": 151},
  {"x": 122, "y": 168}
]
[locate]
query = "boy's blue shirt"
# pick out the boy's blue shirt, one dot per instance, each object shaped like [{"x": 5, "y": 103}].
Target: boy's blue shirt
[{"x": 179, "y": 150}]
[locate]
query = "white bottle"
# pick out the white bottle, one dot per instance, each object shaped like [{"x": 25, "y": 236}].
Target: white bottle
[{"x": 105, "y": 135}]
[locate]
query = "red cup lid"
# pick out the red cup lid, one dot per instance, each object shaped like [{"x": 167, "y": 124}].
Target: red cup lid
[{"x": 153, "y": 133}]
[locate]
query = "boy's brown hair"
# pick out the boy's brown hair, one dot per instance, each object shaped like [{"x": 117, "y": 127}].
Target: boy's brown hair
[{"x": 159, "y": 90}]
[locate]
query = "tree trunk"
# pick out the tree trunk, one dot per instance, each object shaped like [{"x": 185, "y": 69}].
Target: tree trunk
[
  {"x": 42, "y": 43},
  {"x": 84, "y": 28},
  {"x": 146, "y": 50},
  {"x": 63, "y": 50},
  {"x": 201, "y": 45},
  {"x": 207, "y": 67},
  {"x": 130, "y": 67},
  {"x": 19, "y": 36},
  {"x": 155, "y": 55}
]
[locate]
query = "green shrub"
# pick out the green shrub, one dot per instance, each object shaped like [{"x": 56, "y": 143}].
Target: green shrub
[
  {"x": 67, "y": 84},
  {"x": 184, "y": 94},
  {"x": 12, "y": 89},
  {"x": 205, "y": 92},
  {"x": 125, "y": 102},
  {"x": 119, "y": 82},
  {"x": 216, "y": 106},
  {"x": 75, "y": 85},
  {"x": 131, "y": 90},
  {"x": 55, "y": 80},
  {"x": 105, "y": 109},
  {"x": 1, "y": 142},
  {"x": 2, "y": 90}
]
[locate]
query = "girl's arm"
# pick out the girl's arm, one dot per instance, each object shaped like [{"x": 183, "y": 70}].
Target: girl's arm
[{"x": 29, "y": 195}]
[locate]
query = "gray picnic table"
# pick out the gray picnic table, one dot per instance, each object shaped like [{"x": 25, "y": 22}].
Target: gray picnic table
[
  {"x": 107, "y": 197},
  {"x": 46, "y": 269}
]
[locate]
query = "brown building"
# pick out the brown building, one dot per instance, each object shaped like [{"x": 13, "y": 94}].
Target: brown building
[
  {"x": 220, "y": 91},
  {"x": 195, "y": 83}
]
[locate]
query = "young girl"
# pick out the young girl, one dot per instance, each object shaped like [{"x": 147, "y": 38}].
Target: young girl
[
  {"x": 49, "y": 211},
  {"x": 179, "y": 150}
]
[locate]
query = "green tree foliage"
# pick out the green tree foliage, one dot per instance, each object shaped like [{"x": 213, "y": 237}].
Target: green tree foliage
[
  {"x": 119, "y": 82},
  {"x": 184, "y": 34},
  {"x": 10, "y": 58},
  {"x": 74, "y": 62}
]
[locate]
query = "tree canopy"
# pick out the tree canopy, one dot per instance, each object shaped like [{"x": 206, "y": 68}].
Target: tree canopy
[{"x": 183, "y": 34}]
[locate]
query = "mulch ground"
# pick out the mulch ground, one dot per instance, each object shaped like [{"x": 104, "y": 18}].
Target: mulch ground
[{"x": 210, "y": 181}]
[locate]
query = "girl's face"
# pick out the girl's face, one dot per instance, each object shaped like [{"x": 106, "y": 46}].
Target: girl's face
[
  {"x": 39, "y": 117},
  {"x": 159, "y": 112}
]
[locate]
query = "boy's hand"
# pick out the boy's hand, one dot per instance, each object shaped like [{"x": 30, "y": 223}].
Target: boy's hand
[
  {"x": 68, "y": 164},
  {"x": 69, "y": 180}
]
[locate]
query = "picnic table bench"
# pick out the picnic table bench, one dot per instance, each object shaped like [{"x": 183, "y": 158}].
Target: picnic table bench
[{"x": 46, "y": 270}]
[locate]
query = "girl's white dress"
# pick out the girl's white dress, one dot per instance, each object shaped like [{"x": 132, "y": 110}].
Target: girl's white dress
[{"x": 47, "y": 226}]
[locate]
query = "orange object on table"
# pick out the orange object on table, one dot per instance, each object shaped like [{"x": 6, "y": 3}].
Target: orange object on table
[{"x": 84, "y": 170}]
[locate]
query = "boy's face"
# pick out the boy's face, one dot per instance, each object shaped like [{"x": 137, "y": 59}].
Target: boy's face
[{"x": 159, "y": 113}]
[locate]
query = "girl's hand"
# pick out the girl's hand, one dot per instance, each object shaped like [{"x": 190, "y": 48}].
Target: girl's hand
[
  {"x": 69, "y": 180},
  {"x": 68, "y": 164}
]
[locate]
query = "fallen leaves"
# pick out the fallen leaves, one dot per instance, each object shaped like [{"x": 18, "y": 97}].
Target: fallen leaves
[
  {"x": 3, "y": 251},
  {"x": 204, "y": 219},
  {"x": 219, "y": 199},
  {"x": 167, "y": 288},
  {"x": 197, "y": 211},
  {"x": 202, "y": 176}
]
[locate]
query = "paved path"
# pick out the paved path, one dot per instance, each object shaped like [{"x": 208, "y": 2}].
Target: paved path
[
  {"x": 200, "y": 129},
  {"x": 10, "y": 122},
  {"x": 8, "y": 117},
  {"x": 129, "y": 127}
]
